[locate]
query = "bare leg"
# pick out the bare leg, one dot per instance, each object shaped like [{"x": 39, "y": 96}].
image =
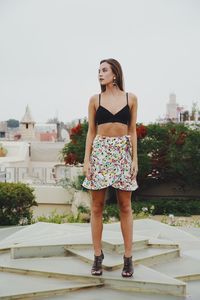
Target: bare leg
[
  {"x": 126, "y": 218},
  {"x": 96, "y": 219}
]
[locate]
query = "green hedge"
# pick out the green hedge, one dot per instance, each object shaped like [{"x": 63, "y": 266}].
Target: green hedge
[
  {"x": 177, "y": 207},
  {"x": 162, "y": 206},
  {"x": 16, "y": 199},
  {"x": 169, "y": 152}
]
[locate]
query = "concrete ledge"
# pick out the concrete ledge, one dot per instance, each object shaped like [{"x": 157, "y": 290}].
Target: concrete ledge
[
  {"x": 43, "y": 250},
  {"x": 158, "y": 258},
  {"x": 166, "y": 286},
  {"x": 166, "y": 246},
  {"x": 47, "y": 293},
  {"x": 119, "y": 248},
  {"x": 114, "y": 262},
  {"x": 74, "y": 277},
  {"x": 148, "y": 287},
  {"x": 20, "y": 251},
  {"x": 14, "y": 293},
  {"x": 190, "y": 277},
  {"x": 37, "y": 251},
  {"x": 4, "y": 250}
]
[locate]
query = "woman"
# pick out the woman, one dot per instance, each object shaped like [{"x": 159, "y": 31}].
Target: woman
[{"x": 111, "y": 157}]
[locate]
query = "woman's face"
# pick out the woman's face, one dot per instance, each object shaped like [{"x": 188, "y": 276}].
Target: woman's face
[{"x": 105, "y": 74}]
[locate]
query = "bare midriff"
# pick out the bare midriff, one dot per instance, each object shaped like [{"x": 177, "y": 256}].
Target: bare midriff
[{"x": 112, "y": 129}]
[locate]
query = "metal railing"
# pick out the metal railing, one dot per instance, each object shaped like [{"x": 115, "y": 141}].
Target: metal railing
[
  {"x": 2, "y": 176},
  {"x": 39, "y": 175},
  {"x": 35, "y": 175}
]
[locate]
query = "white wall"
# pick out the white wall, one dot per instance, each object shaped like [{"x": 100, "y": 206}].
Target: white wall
[{"x": 52, "y": 198}]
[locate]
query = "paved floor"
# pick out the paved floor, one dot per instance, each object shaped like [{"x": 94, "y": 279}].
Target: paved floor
[{"x": 53, "y": 261}]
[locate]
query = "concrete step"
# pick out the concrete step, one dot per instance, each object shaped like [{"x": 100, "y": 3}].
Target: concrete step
[
  {"x": 118, "y": 246},
  {"x": 18, "y": 286},
  {"x": 40, "y": 250},
  {"x": 108, "y": 293},
  {"x": 113, "y": 261},
  {"x": 154, "y": 254},
  {"x": 145, "y": 280},
  {"x": 7, "y": 231},
  {"x": 184, "y": 268}
]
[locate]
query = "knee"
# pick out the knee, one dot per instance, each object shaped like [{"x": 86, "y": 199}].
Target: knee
[
  {"x": 97, "y": 209},
  {"x": 125, "y": 208}
]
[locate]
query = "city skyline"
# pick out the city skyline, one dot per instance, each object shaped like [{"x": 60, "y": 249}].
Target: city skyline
[
  {"x": 174, "y": 107},
  {"x": 50, "y": 53}
]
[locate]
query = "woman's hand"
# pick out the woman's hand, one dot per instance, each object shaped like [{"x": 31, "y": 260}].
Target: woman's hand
[
  {"x": 87, "y": 169},
  {"x": 134, "y": 169}
]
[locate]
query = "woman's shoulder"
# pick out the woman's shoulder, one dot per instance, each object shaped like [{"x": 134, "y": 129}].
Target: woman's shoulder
[
  {"x": 132, "y": 96},
  {"x": 132, "y": 99},
  {"x": 93, "y": 99}
]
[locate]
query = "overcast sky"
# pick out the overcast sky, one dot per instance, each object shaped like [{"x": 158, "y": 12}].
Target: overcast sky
[{"x": 50, "y": 52}]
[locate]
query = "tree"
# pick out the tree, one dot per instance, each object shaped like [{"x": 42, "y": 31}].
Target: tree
[
  {"x": 166, "y": 153},
  {"x": 12, "y": 123},
  {"x": 74, "y": 151}
]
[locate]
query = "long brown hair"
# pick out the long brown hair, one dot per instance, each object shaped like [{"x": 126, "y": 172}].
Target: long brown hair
[{"x": 117, "y": 70}]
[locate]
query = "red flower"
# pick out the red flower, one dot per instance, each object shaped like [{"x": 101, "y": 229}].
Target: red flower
[
  {"x": 76, "y": 130},
  {"x": 71, "y": 159},
  {"x": 141, "y": 131}
]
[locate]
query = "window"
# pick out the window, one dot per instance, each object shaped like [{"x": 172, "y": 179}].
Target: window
[{"x": 2, "y": 134}]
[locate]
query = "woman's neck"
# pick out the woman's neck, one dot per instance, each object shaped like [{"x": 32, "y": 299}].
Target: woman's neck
[{"x": 112, "y": 90}]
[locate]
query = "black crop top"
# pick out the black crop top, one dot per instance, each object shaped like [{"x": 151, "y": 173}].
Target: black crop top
[{"x": 103, "y": 115}]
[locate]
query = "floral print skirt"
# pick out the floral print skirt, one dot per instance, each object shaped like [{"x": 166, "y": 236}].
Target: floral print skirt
[{"x": 110, "y": 162}]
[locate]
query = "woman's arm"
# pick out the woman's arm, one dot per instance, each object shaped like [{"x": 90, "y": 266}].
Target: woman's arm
[
  {"x": 90, "y": 134},
  {"x": 132, "y": 131}
]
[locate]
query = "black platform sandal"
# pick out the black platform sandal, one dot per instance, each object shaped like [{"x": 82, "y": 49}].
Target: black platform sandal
[
  {"x": 128, "y": 267},
  {"x": 97, "y": 265}
]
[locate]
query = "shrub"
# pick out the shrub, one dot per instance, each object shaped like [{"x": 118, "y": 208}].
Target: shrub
[
  {"x": 74, "y": 151},
  {"x": 54, "y": 217},
  {"x": 165, "y": 206},
  {"x": 75, "y": 183},
  {"x": 111, "y": 211},
  {"x": 16, "y": 199},
  {"x": 166, "y": 153},
  {"x": 169, "y": 152},
  {"x": 177, "y": 207}
]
